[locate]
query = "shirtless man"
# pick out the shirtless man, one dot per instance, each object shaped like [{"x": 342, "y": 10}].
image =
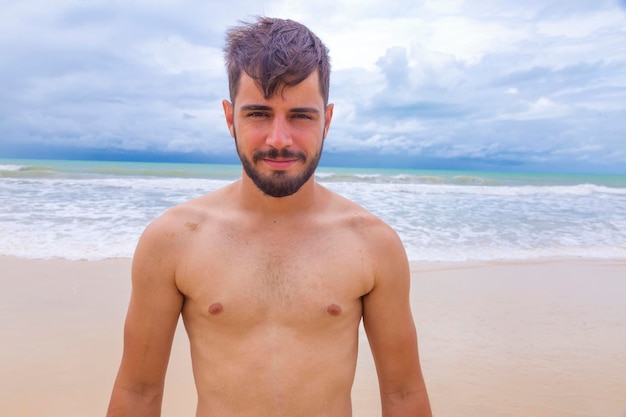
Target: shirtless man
[{"x": 273, "y": 273}]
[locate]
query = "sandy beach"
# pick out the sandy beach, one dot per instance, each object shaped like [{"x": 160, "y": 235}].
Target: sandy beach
[{"x": 520, "y": 338}]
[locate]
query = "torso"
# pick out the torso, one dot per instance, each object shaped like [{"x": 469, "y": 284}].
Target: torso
[{"x": 272, "y": 308}]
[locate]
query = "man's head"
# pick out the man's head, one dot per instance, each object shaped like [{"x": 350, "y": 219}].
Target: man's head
[
  {"x": 279, "y": 113},
  {"x": 275, "y": 53}
]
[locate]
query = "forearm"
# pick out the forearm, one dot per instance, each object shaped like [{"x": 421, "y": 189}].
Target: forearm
[
  {"x": 129, "y": 402},
  {"x": 406, "y": 404}
]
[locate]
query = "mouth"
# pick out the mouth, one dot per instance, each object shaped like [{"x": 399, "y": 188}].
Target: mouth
[{"x": 280, "y": 164}]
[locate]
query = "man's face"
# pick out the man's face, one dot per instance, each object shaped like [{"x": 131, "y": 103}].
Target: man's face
[{"x": 279, "y": 140}]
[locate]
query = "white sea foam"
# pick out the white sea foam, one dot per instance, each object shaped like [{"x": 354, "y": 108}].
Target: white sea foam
[
  {"x": 11, "y": 167},
  {"x": 86, "y": 215},
  {"x": 478, "y": 222}
]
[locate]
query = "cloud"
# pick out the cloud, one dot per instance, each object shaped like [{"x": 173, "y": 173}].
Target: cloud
[
  {"x": 521, "y": 82},
  {"x": 514, "y": 94}
]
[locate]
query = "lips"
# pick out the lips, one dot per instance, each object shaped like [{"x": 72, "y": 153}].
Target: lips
[{"x": 280, "y": 164}]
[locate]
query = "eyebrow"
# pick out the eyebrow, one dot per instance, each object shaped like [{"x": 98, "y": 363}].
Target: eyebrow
[
  {"x": 251, "y": 107},
  {"x": 305, "y": 110},
  {"x": 257, "y": 107}
]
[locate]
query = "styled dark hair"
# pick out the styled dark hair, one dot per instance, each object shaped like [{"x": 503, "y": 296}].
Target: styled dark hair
[{"x": 275, "y": 53}]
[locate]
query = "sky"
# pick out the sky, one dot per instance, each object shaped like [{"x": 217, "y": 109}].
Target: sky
[{"x": 515, "y": 85}]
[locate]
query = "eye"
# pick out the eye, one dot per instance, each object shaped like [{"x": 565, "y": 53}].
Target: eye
[{"x": 257, "y": 114}]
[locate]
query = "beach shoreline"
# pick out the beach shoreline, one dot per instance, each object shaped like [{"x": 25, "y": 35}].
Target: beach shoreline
[{"x": 541, "y": 337}]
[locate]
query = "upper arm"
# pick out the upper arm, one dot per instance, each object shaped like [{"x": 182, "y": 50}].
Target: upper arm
[
  {"x": 153, "y": 310},
  {"x": 390, "y": 328}
]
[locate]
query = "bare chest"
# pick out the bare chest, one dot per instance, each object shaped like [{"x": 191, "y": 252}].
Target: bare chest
[{"x": 293, "y": 282}]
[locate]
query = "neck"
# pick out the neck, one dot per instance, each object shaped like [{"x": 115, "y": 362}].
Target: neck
[{"x": 255, "y": 200}]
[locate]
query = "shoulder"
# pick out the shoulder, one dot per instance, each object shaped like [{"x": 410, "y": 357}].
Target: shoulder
[
  {"x": 385, "y": 248},
  {"x": 169, "y": 236},
  {"x": 360, "y": 220},
  {"x": 167, "y": 230},
  {"x": 385, "y": 260},
  {"x": 381, "y": 241}
]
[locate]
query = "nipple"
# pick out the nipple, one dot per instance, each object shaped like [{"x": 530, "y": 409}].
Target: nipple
[
  {"x": 334, "y": 310},
  {"x": 216, "y": 308}
]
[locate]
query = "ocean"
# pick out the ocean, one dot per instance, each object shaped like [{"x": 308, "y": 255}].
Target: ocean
[{"x": 97, "y": 210}]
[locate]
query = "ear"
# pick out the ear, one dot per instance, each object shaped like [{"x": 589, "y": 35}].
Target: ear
[
  {"x": 328, "y": 117},
  {"x": 228, "y": 114}
]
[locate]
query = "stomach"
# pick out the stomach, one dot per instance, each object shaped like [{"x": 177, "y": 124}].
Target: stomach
[{"x": 275, "y": 371}]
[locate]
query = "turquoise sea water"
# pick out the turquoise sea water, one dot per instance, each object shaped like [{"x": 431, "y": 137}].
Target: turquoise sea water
[{"x": 96, "y": 210}]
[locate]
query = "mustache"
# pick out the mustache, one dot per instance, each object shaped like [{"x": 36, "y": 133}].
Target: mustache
[{"x": 274, "y": 153}]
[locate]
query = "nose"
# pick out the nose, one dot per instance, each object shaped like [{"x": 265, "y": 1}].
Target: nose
[{"x": 279, "y": 135}]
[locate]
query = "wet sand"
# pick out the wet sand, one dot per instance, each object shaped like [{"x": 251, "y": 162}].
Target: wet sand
[{"x": 529, "y": 338}]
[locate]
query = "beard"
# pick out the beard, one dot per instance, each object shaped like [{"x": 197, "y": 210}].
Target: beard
[{"x": 279, "y": 183}]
